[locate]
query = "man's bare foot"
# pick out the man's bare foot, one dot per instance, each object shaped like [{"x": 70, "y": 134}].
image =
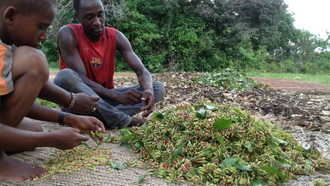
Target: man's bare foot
[
  {"x": 137, "y": 122},
  {"x": 14, "y": 170}
]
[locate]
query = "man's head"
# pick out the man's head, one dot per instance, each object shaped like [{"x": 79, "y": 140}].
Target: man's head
[
  {"x": 90, "y": 13},
  {"x": 25, "y": 22}
]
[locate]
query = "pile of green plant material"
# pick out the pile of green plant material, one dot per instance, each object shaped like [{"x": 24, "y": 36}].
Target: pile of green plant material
[
  {"x": 83, "y": 156},
  {"x": 203, "y": 143},
  {"x": 227, "y": 79}
]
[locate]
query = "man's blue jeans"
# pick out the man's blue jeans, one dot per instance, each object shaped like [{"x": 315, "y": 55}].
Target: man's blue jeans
[{"x": 111, "y": 113}]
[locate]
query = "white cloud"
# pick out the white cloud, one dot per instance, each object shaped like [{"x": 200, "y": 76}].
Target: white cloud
[{"x": 311, "y": 15}]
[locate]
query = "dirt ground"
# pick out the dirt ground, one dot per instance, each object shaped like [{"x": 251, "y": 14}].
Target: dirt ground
[
  {"x": 281, "y": 84},
  {"x": 290, "y": 85}
]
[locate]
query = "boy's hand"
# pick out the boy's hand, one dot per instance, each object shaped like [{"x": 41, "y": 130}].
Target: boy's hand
[
  {"x": 85, "y": 124},
  {"x": 67, "y": 138},
  {"x": 85, "y": 104}
]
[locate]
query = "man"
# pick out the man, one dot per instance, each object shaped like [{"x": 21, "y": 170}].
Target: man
[
  {"x": 24, "y": 77},
  {"x": 86, "y": 53}
]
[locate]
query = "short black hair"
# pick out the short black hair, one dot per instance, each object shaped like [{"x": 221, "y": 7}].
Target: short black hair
[
  {"x": 76, "y": 5},
  {"x": 28, "y": 6}
]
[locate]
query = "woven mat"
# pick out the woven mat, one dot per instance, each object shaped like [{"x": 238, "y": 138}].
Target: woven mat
[{"x": 126, "y": 176}]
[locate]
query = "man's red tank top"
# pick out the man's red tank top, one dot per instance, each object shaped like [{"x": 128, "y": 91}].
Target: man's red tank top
[{"x": 98, "y": 57}]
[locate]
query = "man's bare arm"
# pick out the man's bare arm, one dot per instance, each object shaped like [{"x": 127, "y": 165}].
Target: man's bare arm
[
  {"x": 68, "y": 47},
  {"x": 143, "y": 75}
]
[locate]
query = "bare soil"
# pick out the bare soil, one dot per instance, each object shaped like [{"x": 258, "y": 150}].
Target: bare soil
[
  {"x": 280, "y": 84},
  {"x": 291, "y": 85}
]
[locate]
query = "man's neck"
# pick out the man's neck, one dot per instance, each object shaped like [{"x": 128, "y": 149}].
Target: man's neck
[{"x": 92, "y": 38}]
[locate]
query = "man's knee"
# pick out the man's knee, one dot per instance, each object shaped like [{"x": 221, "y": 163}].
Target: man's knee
[
  {"x": 65, "y": 75},
  {"x": 159, "y": 90}
]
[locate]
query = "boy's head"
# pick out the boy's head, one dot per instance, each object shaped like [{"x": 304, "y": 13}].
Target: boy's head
[
  {"x": 25, "y": 22},
  {"x": 90, "y": 13}
]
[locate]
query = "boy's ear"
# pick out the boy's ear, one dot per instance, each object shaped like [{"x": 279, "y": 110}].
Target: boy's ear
[{"x": 9, "y": 14}]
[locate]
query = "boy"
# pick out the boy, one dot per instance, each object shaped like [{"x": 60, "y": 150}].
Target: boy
[{"x": 23, "y": 77}]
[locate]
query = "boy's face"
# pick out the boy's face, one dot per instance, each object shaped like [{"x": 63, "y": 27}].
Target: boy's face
[
  {"x": 31, "y": 29},
  {"x": 91, "y": 17}
]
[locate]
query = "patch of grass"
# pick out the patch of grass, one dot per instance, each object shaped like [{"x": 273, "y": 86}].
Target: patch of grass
[
  {"x": 310, "y": 78},
  {"x": 53, "y": 67},
  {"x": 47, "y": 104}
]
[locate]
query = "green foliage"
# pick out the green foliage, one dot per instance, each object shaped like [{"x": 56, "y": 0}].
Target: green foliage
[
  {"x": 181, "y": 35},
  {"x": 227, "y": 79},
  {"x": 49, "y": 48}
]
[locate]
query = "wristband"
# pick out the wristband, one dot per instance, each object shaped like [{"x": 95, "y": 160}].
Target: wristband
[
  {"x": 72, "y": 102},
  {"x": 61, "y": 118}
]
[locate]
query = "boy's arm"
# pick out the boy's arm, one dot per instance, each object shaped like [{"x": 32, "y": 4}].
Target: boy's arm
[
  {"x": 84, "y": 104},
  {"x": 64, "y": 138},
  {"x": 85, "y": 124}
]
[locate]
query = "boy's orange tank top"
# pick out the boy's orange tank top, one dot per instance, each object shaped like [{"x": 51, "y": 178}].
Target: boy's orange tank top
[{"x": 98, "y": 57}]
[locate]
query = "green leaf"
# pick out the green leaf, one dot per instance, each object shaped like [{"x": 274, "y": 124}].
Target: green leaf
[
  {"x": 124, "y": 144},
  {"x": 238, "y": 111},
  {"x": 127, "y": 137},
  {"x": 125, "y": 131},
  {"x": 159, "y": 116},
  {"x": 86, "y": 145},
  {"x": 229, "y": 162},
  {"x": 140, "y": 178},
  {"x": 275, "y": 171},
  {"x": 188, "y": 132},
  {"x": 280, "y": 141},
  {"x": 205, "y": 152},
  {"x": 272, "y": 145},
  {"x": 249, "y": 147},
  {"x": 309, "y": 162},
  {"x": 138, "y": 146},
  {"x": 242, "y": 167},
  {"x": 255, "y": 182},
  {"x": 178, "y": 151},
  {"x": 222, "y": 123},
  {"x": 220, "y": 139},
  {"x": 149, "y": 131},
  {"x": 210, "y": 107},
  {"x": 201, "y": 114},
  {"x": 115, "y": 165},
  {"x": 141, "y": 143}
]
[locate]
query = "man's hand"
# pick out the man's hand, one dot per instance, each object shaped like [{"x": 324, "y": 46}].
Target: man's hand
[
  {"x": 148, "y": 98},
  {"x": 85, "y": 124},
  {"x": 85, "y": 104},
  {"x": 130, "y": 97},
  {"x": 67, "y": 138}
]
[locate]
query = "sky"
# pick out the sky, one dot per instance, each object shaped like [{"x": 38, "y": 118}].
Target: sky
[{"x": 311, "y": 15}]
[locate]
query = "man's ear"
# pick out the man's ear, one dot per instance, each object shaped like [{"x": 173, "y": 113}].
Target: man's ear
[
  {"x": 76, "y": 16},
  {"x": 9, "y": 15}
]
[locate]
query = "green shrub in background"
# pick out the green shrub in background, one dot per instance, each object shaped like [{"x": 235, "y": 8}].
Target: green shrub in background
[
  {"x": 50, "y": 50},
  {"x": 200, "y": 35}
]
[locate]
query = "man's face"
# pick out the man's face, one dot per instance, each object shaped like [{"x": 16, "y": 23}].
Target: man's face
[
  {"x": 31, "y": 29},
  {"x": 91, "y": 17}
]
